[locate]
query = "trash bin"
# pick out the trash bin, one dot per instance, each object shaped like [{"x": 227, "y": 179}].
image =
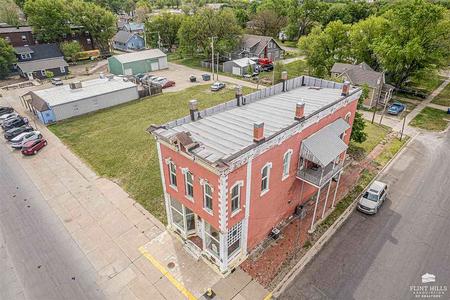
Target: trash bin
[
  {"x": 448, "y": 111},
  {"x": 192, "y": 78},
  {"x": 206, "y": 77}
]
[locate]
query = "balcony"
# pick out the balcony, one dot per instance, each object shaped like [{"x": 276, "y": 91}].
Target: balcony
[{"x": 319, "y": 176}]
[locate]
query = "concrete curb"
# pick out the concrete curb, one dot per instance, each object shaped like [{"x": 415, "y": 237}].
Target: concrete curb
[{"x": 315, "y": 249}]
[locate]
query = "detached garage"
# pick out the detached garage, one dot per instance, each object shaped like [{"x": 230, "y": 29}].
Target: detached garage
[
  {"x": 137, "y": 62},
  {"x": 78, "y": 98},
  {"x": 239, "y": 67}
]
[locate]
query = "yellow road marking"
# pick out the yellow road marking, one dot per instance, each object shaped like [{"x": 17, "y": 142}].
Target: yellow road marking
[
  {"x": 166, "y": 273},
  {"x": 268, "y": 296}
]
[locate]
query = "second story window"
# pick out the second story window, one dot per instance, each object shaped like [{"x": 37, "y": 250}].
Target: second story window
[
  {"x": 286, "y": 164},
  {"x": 172, "y": 174},
  {"x": 235, "y": 198},
  {"x": 24, "y": 38},
  {"x": 189, "y": 180},
  {"x": 207, "y": 197},
  {"x": 265, "y": 177}
]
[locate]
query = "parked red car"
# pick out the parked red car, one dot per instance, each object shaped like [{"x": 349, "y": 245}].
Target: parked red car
[
  {"x": 32, "y": 147},
  {"x": 168, "y": 83}
]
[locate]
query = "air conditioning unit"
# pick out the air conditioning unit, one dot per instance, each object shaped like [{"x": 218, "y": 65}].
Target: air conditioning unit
[
  {"x": 75, "y": 85},
  {"x": 300, "y": 211},
  {"x": 275, "y": 233}
]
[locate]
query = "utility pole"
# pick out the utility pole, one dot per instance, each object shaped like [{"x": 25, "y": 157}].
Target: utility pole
[
  {"x": 217, "y": 66},
  {"x": 212, "y": 56},
  {"x": 403, "y": 127}
]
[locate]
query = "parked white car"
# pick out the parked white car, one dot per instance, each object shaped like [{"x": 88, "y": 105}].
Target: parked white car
[
  {"x": 5, "y": 117},
  {"x": 373, "y": 198},
  {"x": 21, "y": 139}
]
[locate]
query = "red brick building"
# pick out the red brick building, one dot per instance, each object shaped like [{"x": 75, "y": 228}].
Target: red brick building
[
  {"x": 17, "y": 36},
  {"x": 234, "y": 172}
]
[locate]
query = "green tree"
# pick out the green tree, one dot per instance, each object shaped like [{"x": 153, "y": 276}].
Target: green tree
[
  {"x": 9, "y": 12},
  {"x": 358, "y": 135},
  {"x": 167, "y": 25},
  {"x": 303, "y": 16},
  {"x": 50, "y": 19},
  {"x": 70, "y": 49},
  {"x": 325, "y": 47},
  {"x": 99, "y": 21},
  {"x": 418, "y": 37},
  {"x": 143, "y": 8},
  {"x": 7, "y": 58},
  {"x": 196, "y": 31},
  {"x": 365, "y": 93},
  {"x": 267, "y": 22},
  {"x": 362, "y": 36}
]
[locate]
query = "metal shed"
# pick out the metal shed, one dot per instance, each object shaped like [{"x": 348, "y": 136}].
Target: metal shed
[
  {"x": 138, "y": 62},
  {"x": 78, "y": 98},
  {"x": 239, "y": 67}
]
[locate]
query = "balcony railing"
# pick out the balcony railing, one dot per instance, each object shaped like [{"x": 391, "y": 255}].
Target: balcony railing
[{"x": 319, "y": 176}]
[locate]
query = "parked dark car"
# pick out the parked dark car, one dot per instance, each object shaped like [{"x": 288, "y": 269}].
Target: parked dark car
[
  {"x": 16, "y": 122},
  {"x": 5, "y": 110},
  {"x": 267, "y": 68},
  {"x": 12, "y": 133},
  {"x": 396, "y": 108},
  {"x": 33, "y": 147},
  {"x": 167, "y": 84}
]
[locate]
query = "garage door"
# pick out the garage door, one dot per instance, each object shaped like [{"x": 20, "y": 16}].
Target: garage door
[
  {"x": 154, "y": 66},
  {"x": 128, "y": 72},
  {"x": 236, "y": 71}
]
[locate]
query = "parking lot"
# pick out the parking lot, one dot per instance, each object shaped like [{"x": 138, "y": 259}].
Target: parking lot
[{"x": 180, "y": 74}]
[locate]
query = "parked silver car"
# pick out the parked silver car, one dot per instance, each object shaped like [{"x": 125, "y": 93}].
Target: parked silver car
[
  {"x": 21, "y": 139},
  {"x": 5, "y": 117},
  {"x": 373, "y": 198}
]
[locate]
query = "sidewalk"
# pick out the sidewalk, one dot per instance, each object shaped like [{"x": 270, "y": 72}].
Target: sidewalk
[{"x": 132, "y": 253}]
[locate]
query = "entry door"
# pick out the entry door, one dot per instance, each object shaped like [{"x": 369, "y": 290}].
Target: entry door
[
  {"x": 236, "y": 71},
  {"x": 154, "y": 66},
  {"x": 128, "y": 72},
  {"x": 30, "y": 76}
]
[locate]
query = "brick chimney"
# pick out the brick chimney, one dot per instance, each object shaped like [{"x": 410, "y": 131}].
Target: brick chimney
[
  {"x": 193, "y": 109},
  {"x": 345, "y": 88},
  {"x": 300, "y": 110},
  {"x": 258, "y": 132}
]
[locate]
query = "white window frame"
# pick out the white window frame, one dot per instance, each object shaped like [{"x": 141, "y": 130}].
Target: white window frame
[
  {"x": 172, "y": 184},
  {"x": 186, "y": 172},
  {"x": 43, "y": 73},
  {"x": 287, "y": 157},
  {"x": 24, "y": 38},
  {"x": 238, "y": 185},
  {"x": 234, "y": 235},
  {"x": 266, "y": 190},
  {"x": 62, "y": 69},
  {"x": 347, "y": 116},
  {"x": 205, "y": 196}
]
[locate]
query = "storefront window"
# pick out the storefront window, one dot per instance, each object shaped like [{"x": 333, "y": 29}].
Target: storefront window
[{"x": 212, "y": 240}]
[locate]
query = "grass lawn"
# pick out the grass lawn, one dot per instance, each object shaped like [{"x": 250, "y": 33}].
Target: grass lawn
[
  {"x": 427, "y": 83},
  {"x": 115, "y": 144},
  {"x": 431, "y": 119},
  {"x": 391, "y": 149},
  {"x": 292, "y": 44},
  {"x": 375, "y": 134},
  {"x": 443, "y": 98}
]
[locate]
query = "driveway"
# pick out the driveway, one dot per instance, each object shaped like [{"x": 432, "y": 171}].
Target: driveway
[
  {"x": 180, "y": 74},
  {"x": 384, "y": 256}
]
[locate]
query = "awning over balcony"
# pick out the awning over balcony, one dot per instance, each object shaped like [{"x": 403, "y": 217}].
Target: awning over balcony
[{"x": 325, "y": 145}]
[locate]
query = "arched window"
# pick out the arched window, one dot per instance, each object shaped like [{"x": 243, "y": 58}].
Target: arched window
[
  {"x": 172, "y": 174},
  {"x": 207, "y": 197},
  {"x": 286, "y": 163},
  {"x": 189, "y": 184},
  {"x": 347, "y": 117},
  {"x": 265, "y": 178}
]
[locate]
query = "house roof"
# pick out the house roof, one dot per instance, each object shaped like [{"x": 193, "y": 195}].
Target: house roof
[
  {"x": 325, "y": 144},
  {"x": 43, "y": 51},
  {"x": 41, "y": 64},
  {"x": 260, "y": 41},
  {"x": 226, "y": 130},
  {"x": 10, "y": 29},
  {"x": 23, "y": 50},
  {"x": 359, "y": 74},
  {"x": 63, "y": 94},
  {"x": 123, "y": 36},
  {"x": 134, "y": 26},
  {"x": 141, "y": 55},
  {"x": 244, "y": 62}
]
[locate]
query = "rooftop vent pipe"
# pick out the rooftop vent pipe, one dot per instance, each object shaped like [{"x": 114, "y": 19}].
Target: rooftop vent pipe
[
  {"x": 300, "y": 110},
  {"x": 193, "y": 109},
  {"x": 345, "y": 88}
]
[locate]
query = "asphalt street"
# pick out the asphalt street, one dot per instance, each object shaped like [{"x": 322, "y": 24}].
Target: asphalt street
[
  {"x": 384, "y": 256},
  {"x": 38, "y": 257}
]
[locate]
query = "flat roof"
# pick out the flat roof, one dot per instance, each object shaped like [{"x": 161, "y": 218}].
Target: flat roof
[
  {"x": 141, "y": 55},
  {"x": 227, "y": 130},
  {"x": 63, "y": 94}
]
